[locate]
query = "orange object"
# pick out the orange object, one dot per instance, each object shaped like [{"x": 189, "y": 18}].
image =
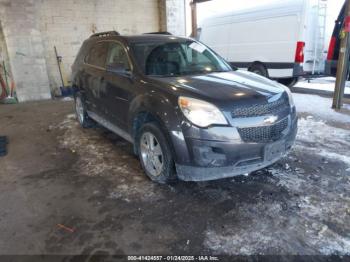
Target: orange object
[
  {"x": 66, "y": 228},
  {"x": 184, "y": 102}
]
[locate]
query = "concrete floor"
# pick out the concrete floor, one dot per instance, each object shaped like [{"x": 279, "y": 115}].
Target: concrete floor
[{"x": 65, "y": 190}]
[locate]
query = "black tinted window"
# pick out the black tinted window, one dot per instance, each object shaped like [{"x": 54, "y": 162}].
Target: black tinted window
[{"x": 97, "y": 55}]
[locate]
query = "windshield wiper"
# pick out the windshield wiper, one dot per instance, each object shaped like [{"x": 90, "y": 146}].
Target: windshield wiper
[
  {"x": 170, "y": 75},
  {"x": 197, "y": 72},
  {"x": 218, "y": 71},
  {"x": 213, "y": 71}
]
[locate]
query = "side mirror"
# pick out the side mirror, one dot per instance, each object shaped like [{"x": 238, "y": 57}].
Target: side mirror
[{"x": 118, "y": 68}]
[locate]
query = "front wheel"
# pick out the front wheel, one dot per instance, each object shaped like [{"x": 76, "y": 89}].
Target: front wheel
[
  {"x": 155, "y": 154},
  {"x": 259, "y": 69}
]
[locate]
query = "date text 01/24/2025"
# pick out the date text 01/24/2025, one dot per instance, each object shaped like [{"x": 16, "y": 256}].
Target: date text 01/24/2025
[{"x": 173, "y": 258}]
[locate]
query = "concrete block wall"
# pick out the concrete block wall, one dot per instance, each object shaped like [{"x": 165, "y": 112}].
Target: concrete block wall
[
  {"x": 67, "y": 23},
  {"x": 175, "y": 17},
  {"x": 25, "y": 49},
  {"x": 4, "y": 59},
  {"x": 33, "y": 27}
]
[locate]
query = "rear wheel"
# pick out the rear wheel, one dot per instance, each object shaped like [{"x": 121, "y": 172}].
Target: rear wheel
[
  {"x": 155, "y": 154},
  {"x": 290, "y": 82},
  {"x": 259, "y": 69},
  {"x": 80, "y": 112}
]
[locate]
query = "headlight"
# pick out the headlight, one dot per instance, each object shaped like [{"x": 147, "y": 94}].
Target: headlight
[
  {"x": 290, "y": 96},
  {"x": 201, "y": 113}
]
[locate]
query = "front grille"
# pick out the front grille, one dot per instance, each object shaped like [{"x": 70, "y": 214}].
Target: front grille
[
  {"x": 263, "y": 134},
  {"x": 261, "y": 109}
]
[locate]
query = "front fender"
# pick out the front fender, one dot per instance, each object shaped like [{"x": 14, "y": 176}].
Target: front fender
[
  {"x": 159, "y": 106},
  {"x": 166, "y": 112}
]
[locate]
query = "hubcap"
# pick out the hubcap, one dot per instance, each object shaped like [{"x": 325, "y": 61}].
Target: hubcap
[
  {"x": 79, "y": 109},
  {"x": 151, "y": 153}
]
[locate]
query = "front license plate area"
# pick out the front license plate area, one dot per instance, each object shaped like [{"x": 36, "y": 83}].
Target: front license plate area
[{"x": 275, "y": 150}]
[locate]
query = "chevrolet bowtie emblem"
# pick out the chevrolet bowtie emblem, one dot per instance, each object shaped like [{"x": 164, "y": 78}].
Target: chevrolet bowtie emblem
[{"x": 270, "y": 119}]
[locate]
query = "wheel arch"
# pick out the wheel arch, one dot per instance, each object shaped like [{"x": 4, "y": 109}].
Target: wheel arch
[
  {"x": 146, "y": 109},
  {"x": 258, "y": 63},
  {"x": 77, "y": 86}
]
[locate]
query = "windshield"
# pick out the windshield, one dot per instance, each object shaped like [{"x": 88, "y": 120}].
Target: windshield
[{"x": 177, "y": 58}]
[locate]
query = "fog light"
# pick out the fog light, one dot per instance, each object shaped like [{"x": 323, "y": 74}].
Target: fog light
[{"x": 209, "y": 156}]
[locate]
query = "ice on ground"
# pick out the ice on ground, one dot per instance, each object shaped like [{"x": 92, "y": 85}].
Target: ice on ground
[
  {"x": 324, "y": 84},
  {"x": 99, "y": 156},
  {"x": 319, "y": 138},
  {"x": 302, "y": 225},
  {"x": 314, "y": 220},
  {"x": 320, "y": 107},
  {"x": 295, "y": 211},
  {"x": 67, "y": 99}
]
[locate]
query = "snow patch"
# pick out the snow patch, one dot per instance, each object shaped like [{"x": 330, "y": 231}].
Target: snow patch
[
  {"x": 324, "y": 84},
  {"x": 319, "y": 138},
  {"x": 320, "y": 107},
  {"x": 99, "y": 156},
  {"x": 307, "y": 222},
  {"x": 301, "y": 228}
]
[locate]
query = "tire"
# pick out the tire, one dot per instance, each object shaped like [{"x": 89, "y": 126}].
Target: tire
[
  {"x": 165, "y": 172},
  {"x": 290, "y": 82},
  {"x": 80, "y": 111},
  {"x": 259, "y": 69}
]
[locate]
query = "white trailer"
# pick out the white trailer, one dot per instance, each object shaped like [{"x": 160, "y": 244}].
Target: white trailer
[{"x": 282, "y": 40}]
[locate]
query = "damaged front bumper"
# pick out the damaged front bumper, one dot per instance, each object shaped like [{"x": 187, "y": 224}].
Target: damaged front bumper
[{"x": 216, "y": 159}]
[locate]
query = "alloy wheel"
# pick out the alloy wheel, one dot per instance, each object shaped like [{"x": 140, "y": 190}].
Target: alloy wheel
[
  {"x": 151, "y": 153},
  {"x": 79, "y": 109}
]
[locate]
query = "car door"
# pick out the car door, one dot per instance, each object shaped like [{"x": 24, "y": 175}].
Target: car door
[
  {"x": 94, "y": 72},
  {"x": 119, "y": 85}
]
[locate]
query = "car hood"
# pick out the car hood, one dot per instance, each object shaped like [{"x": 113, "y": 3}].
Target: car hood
[{"x": 224, "y": 87}]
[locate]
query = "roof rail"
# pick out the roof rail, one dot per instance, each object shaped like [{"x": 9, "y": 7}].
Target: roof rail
[
  {"x": 104, "y": 34},
  {"x": 158, "y": 33}
]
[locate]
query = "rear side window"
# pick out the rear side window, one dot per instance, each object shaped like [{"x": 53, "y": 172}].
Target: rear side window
[
  {"x": 97, "y": 55},
  {"x": 117, "y": 56}
]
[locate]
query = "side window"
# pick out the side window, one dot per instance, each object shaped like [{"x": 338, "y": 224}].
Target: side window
[
  {"x": 117, "y": 57},
  {"x": 97, "y": 55}
]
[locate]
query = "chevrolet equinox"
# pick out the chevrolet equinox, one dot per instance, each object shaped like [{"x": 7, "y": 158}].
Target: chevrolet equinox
[{"x": 188, "y": 114}]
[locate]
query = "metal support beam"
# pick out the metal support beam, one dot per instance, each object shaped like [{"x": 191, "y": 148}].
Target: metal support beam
[
  {"x": 193, "y": 5},
  {"x": 343, "y": 61}
]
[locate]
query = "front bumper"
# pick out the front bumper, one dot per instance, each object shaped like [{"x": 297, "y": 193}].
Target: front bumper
[{"x": 225, "y": 156}]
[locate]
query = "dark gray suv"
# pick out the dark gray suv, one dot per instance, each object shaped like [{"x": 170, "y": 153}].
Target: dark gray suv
[{"x": 188, "y": 114}]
